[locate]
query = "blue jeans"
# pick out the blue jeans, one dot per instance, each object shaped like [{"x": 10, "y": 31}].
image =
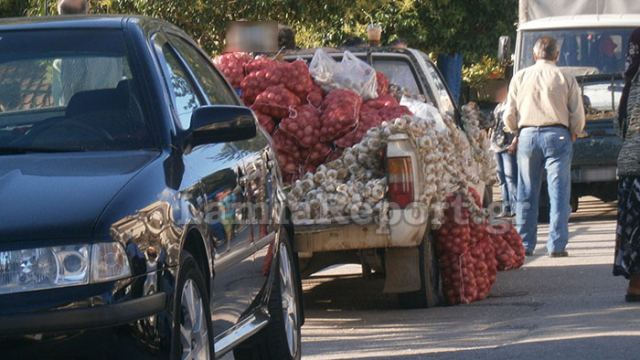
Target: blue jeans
[
  {"x": 508, "y": 175},
  {"x": 540, "y": 149}
]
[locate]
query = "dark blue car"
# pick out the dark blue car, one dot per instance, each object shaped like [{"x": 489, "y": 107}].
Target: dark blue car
[{"x": 141, "y": 208}]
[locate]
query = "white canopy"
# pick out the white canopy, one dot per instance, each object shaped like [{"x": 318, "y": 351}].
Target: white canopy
[{"x": 538, "y": 9}]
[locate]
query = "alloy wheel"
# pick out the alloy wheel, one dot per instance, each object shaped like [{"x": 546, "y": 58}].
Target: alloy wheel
[
  {"x": 289, "y": 303},
  {"x": 194, "y": 335}
]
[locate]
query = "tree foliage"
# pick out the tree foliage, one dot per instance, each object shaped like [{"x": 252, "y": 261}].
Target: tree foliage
[{"x": 468, "y": 26}]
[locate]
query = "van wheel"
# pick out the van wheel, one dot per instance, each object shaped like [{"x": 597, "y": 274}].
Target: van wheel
[
  {"x": 430, "y": 293},
  {"x": 575, "y": 202},
  {"x": 281, "y": 339},
  {"x": 192, "y": 336}
]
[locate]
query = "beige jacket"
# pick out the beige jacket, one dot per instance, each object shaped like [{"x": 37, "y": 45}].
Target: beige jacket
[{"x": 542, "y": 95}]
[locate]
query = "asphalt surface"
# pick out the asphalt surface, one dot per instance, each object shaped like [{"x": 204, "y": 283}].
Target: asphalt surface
[{"x": 571, "y": 308}]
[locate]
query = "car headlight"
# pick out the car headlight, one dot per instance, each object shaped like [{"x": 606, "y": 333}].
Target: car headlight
[{"x": 60, "y": 266}]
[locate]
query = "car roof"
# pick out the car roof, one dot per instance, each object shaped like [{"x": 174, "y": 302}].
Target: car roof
[{"x": 82, "y": 22}]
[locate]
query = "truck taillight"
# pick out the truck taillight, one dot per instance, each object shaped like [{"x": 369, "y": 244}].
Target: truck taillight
[{"x": 400, "y": 177}]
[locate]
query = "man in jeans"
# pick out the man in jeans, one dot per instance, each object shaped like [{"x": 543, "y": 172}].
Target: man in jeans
[{"x": 545, "y": 111}]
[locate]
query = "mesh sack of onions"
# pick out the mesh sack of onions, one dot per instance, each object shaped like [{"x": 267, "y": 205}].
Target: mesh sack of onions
[
  {"x": 340, "y": 113},
  {"x": 369, "y": 118},
  {"x": 276, "y": 101},
  {"x": 467, "y": 256},
  {"x": 291, "y": 157},
  {"x": 382, "y": 86},
  {"x": 303, "y": 125},
  {"x": 297, "y": 78},
  {"x": 381, "y": 102},
  {"x": 317, "y": 154},
  {"x": 510, "y": 252},
  {"x": 393, "y": 112},
  {"x": 260, "y": 63},
  {"x": 258, "y": 81},
  {"x": 232, "y": 66},
  {"x": 266, "y": 121},
  {"x": 315, "y": 95}
]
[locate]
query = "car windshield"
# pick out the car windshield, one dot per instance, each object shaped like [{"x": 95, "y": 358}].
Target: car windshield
[
  {"x": 587, "y": 51},
  {"x": 68, "y": 90}
]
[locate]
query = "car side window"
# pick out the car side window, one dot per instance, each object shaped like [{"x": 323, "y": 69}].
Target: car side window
[
  {"x": 441, "y": 90},
  {"x": 212, "y": 83},
  {"x": 182, "y": 89}
]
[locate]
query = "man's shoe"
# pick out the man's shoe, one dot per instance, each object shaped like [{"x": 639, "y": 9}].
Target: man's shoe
[
  {"x": 558, "y": 254},
  {"x": 528, "y": 253}
]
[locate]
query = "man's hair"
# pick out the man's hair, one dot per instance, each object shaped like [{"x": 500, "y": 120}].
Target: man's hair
[
  {"x": 546, "y": 48},
  {"x": 66, "y": 7},
  {"x": 398, "y": 42},
  {"x": 286, "y": 37},
  {"x": 354, "y": 41}
]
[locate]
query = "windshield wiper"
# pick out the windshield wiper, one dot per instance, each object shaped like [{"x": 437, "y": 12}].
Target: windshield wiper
[{"x": 10, "y": 150}]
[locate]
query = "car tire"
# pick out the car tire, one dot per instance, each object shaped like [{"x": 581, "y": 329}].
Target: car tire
[
  {"x": 192, "y": 333},
  {"x": 281, "y": 338},
  {"x": 430, "y": 293}
]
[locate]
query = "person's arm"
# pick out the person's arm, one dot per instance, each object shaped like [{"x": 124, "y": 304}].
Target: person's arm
[
  {"x": 575, "y": 104},
  {"x": 510, "y": 116}
]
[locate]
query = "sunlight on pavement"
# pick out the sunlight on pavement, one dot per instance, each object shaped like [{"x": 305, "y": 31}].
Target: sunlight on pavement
[{"x": 569, "y": 305}]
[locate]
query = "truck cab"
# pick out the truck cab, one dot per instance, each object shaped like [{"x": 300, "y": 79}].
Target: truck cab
[{"x": 593, "y": 44}]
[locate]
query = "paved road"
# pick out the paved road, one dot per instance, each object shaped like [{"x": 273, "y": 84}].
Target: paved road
[{"x": 551, "y": 309}]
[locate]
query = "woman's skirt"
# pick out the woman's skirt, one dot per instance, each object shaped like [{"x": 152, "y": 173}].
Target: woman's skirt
[{"x": 627, "y": 259}]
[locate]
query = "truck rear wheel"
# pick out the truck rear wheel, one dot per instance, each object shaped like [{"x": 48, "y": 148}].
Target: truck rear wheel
[{"x": 430, "y": 293}]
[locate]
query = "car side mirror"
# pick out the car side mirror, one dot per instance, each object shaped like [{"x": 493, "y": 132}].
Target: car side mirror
[
  {"x": 221, "y": 123},
  {"x": 504, "y": 49}
]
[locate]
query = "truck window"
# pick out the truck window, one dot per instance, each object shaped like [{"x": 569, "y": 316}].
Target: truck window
[
  {"x": 444, "y": 99},
  {"x": 399, "y": 73}
]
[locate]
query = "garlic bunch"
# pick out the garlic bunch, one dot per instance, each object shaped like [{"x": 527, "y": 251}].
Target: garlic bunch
[{"x": 354, "y": 185}]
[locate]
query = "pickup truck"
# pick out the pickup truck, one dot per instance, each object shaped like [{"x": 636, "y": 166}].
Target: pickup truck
[{"x": 403, "y": 252}]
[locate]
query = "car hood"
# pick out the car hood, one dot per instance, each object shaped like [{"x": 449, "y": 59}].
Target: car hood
[{"x": 60, "y": 196}]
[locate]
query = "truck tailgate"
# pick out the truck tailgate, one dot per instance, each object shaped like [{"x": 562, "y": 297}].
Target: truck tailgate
[{"x": 337, "y": 237}]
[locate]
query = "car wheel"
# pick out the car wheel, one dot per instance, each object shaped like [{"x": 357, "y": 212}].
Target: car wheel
[
  {"x": 192, "y": 336},
  {"x": 281, "y": 339},
  {"x": 430, "y": 293}
]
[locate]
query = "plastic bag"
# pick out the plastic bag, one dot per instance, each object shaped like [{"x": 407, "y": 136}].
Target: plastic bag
[
  {"x": 322, "y": 69},
  {"x": 425, "y": 111},
  {"x": 352, "y": 73}
]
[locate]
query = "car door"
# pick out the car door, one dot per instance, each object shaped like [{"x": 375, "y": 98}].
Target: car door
[
  {"x": 219, "y": 172},
  {"x": 249, "y": 157}
]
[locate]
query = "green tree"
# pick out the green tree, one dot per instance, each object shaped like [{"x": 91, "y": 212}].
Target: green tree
[{"x": 471, "y": 27}]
